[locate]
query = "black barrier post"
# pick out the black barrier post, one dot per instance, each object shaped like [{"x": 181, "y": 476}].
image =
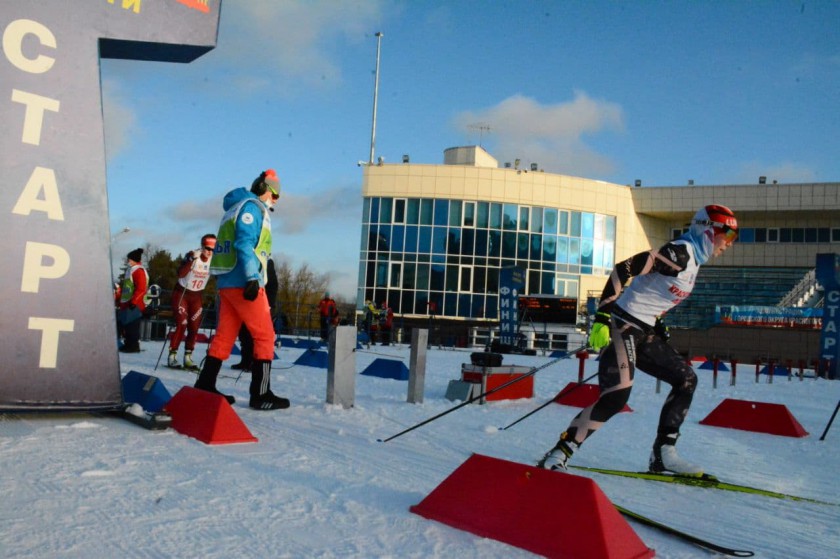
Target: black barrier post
[
  {"x": 830, "y": 421},
  {"x": 482, "y": 395}
]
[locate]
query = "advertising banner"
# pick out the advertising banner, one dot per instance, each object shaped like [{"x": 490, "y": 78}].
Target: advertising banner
[
  {"x": 58, "y": 342},
  {"x": 778, "y": 317},
  {"x": 828, "y": 276},
  {"x": 511, "y": 284}
]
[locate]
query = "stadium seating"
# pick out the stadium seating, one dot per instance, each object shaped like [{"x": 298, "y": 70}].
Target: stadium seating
[{"x": 717, "y": 285}]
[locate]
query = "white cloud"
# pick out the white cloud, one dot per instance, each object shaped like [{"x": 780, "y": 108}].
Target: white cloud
[
  {"x": 550, "y": 135},
  {"x": 290, "y": 42},
  {"x": 303, "y": 213},
  {"x": 294, "y": 214},
  {"x": 119, "y": 118}
]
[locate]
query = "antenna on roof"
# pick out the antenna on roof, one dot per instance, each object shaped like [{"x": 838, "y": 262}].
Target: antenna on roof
[{"x": 482, "y": 127}]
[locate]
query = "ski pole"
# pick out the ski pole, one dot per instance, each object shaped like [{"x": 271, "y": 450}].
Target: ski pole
[
  {"x": 830, "y": 421},
  {"x": 483, "y": 395},
  {"x": 560, "y": 395}
]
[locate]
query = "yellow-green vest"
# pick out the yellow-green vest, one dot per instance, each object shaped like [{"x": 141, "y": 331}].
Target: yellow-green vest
[{"x": 224, "y": 258}]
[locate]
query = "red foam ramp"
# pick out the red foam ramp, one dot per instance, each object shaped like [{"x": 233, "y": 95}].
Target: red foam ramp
[
  {"x": 549, "y": 513},
  {"x": 760, "y": 417},
  {"x": 207, "y": 417},
  {"x": 582, "y": 397}
]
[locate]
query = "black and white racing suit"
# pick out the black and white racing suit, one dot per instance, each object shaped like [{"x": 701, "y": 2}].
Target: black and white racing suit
[{"x": 661, "y": 280}]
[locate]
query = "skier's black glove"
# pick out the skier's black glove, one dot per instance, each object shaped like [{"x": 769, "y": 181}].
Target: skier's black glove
[
  {"x": 252, "y": 288},
  {"x": 132, "y": 306},
  {"x": 661, "y": 330}
]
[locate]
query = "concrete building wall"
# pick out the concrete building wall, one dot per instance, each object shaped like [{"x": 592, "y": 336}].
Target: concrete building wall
[{"x": 758, "y": 205}]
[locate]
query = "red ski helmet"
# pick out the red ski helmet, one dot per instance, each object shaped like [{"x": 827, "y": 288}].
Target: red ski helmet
[{"x": 721, "y": 220}]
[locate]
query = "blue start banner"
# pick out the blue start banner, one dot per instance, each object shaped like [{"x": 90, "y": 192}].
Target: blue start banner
[
  {"x": 57, "y": 320},
  {"x": 828, "y": 275},
  {"x": 511, "y": 284}
]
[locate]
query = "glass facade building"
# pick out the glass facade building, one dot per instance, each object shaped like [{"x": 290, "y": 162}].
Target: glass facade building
[
  {"x": 436, "y": 237},
  {"x": 443, "y": 256}
]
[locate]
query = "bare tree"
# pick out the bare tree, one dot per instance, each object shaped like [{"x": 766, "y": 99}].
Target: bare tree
[{"x": 298, "y": 293}]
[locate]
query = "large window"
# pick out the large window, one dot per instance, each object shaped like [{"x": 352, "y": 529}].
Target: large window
[
  {"x": 795, "y": 235},
  {"x": 469, "y": 215},
  {"x": 399, "y": 210},
  {"x": 421, "y": 251}
]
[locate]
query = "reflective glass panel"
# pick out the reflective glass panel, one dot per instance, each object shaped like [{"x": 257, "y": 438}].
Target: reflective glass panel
[
  {"x": 495, "y": 216},
  {"x": 483, "y": 215},
  {"x": 385, "y": 215},
  {"x": 468, "y": 241},
  {"x": 441, "y": 212},
  {"x": 437, "y": 275},
  {"x": 481, "y": 242},
  {"x": 413, "y": 212},
  {"x": 587, "y": 225},
  {"x": 455, "y": 213},
  {"x": 536, "y": 220},
  {"x": 439, "y": 240},
  {"x": 509, "y": 244},
  {"x": 366, "y": 210},
  {"x": 522, "y": 244},
  {"x": 524, "y": 218},
  {"x": 397, "y": 238},
  {"x": 511, "y": 216},
  {"x": 425, "y": 242},
  {"x": 494, "y": 243},
  {"x": 399, "y": 210},
  {"x": 453, "y": 241},
  {"x": 549, "y": 248},
  {"x": 562, "y": 223},
  {"x": 411, "y": 238},
  {"x": 574, "y": 224},
  {"x": 550, "y": 221},
  {"x": 426, "y": 211}
]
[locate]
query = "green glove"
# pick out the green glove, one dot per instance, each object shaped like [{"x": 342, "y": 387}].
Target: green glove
[{"x": 599, "y": 337}]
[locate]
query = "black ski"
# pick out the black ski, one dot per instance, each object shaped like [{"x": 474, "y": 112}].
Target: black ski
[
  {"x": 705, "y": 480},
  {"x": 682, "y": 535},
  {"x": 154, "y": 421}
]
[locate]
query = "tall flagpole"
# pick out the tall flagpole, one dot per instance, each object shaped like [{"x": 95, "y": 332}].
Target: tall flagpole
[{"x": 375, "y": 97}]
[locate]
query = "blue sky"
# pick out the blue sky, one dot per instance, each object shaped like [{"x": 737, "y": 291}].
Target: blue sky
[{"x": 664, "y": 92}]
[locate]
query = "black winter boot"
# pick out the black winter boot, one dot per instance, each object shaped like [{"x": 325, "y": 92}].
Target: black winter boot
[
  {"x": 207, "y": 378},
  {"x": 262, "y": 398}
]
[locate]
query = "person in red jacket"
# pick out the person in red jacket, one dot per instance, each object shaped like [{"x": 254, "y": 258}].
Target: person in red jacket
[
  {"x": 135, "y": 283},
  {"x": 328, "y": 312},
  {"x": 187, "y": 305}
]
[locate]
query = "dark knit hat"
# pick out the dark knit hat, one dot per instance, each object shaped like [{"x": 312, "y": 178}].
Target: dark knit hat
[
  {"x": 266, "y": 181},
  {"x": 135, "y": 255}
]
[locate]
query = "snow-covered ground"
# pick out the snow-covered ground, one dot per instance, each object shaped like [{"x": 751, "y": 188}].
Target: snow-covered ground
[{"x": 318, "y": 484}]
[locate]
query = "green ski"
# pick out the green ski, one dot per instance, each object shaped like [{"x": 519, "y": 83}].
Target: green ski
[{"x": 702, "y": 481}]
